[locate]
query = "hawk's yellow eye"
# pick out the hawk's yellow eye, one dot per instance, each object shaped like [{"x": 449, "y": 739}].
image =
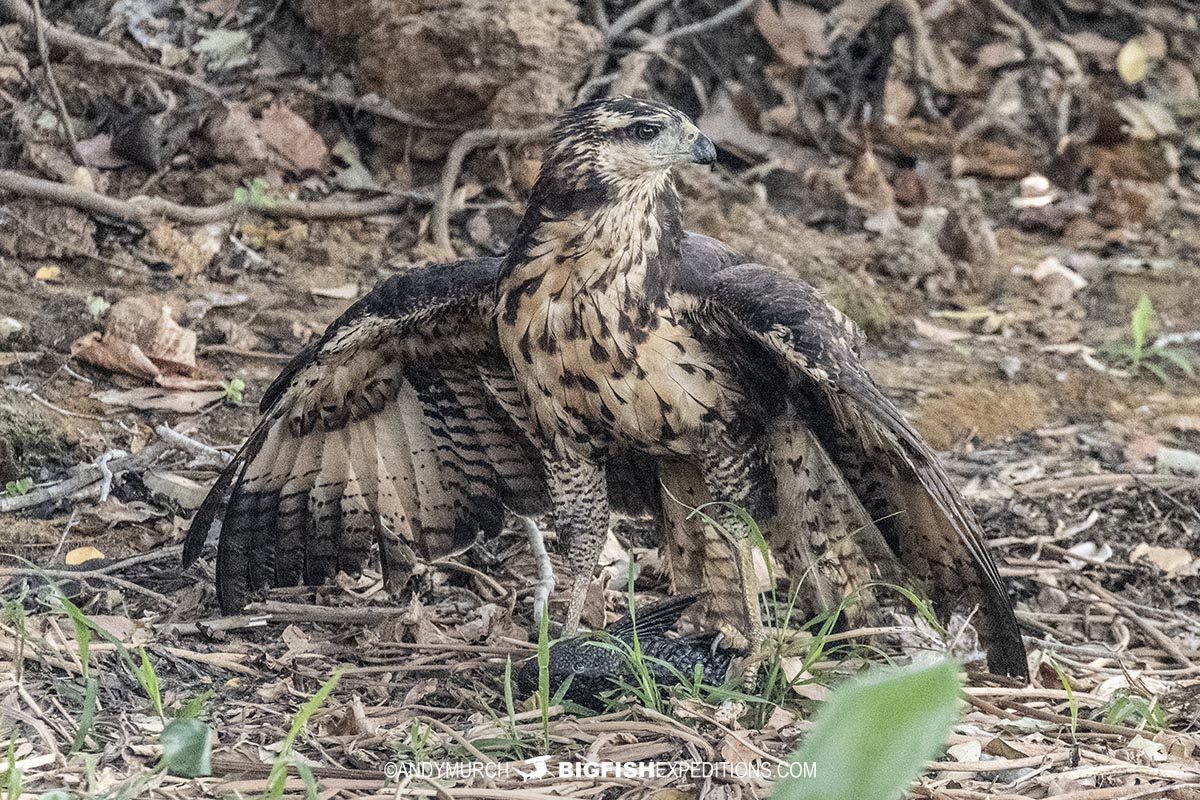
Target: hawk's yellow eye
[{"x": 646, "y": 131}]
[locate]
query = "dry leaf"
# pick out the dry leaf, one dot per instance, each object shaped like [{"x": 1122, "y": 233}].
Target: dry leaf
[
  {"x": 793, "y": 33},
  {"x": 1176, "y": 562},
  {"x": 347, "y": 291},
  {"x": 1093, "y": 552},
  {"x": 969, "y": 750},
  {"x": 936, "y": 333},
  {"x": 152, "y": 398},
  {"x": 97, "y": 152},
  {"x": 235, "y": 137},
  {"x": 187, "y": 255},
  {"x": 51, "y": 273},
  {"x": 735, "y": 750},
  {"x": 81, "y": 555},
  {"x": 141, "y": 339},
  {"x": 1132, "y": 61},
  {"x": 289, "y": 136},
  {"x": 114, "y": 354}
]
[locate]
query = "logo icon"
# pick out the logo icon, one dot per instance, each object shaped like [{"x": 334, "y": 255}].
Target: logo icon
[{"x": 538, "y": 768}]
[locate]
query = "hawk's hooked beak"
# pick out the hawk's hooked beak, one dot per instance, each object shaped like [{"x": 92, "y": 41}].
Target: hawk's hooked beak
[{"x": 703, "y": 151}]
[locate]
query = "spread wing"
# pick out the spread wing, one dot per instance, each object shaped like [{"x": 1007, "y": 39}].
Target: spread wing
[
  {"x": 809, "y": 350},
  {"x": 400, "y": 428}
]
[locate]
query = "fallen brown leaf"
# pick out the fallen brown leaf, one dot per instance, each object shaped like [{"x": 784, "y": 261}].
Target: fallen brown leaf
[{"x": 152, "y": 398}]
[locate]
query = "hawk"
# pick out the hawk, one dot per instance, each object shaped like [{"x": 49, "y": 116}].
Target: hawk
[{"x": 610, "y": 362}]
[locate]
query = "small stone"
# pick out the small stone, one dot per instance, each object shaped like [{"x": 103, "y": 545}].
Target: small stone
[{"x": 9, "y": 327}]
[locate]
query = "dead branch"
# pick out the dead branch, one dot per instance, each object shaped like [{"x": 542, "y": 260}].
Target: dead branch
[
  {"x": 92, "y": 473},
  {"x": 81, "y": 576},
  {"x": 921, "y": 54},
  {"x": 371, "y": 105},
  {"x": 190, "y": 445},
  {"x": 631, "y": 17},
  {"x": 146, "y": 210},
  {"x": 96, "y": 51},
  {"x": 64, "y": 118},
  {"x": 463, "y": 145}
]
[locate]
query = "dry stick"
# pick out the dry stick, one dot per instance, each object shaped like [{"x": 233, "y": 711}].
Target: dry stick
[
  {"x": 1083, "y": 724},
  {"x": 97, "y": 51},
  {"x": 190, "y": 445},
  {"x": 372, "y": 105},
  {"x": 81, "y": 576},
  {"x": 145, "y": 210},
  {"x": 700, "y": 26},
  {"x": 1150, "y": 629},
  {"x": 631, "y": 17},
  {"x": 39, "y": 29},
  {"x": 921, "y": 54},
  {"x": 1104, "y": 481},
  {"x": 462, "y": 147},
  {"x": 299, "y": 612},
  {"x": 90, "y": 474}
]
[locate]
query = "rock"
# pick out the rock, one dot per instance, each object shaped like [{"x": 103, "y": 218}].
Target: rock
[{"x": 504, "y": 64}]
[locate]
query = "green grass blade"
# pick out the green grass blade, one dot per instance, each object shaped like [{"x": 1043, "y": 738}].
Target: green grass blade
[
  {"x": 1139, "y": 325},
  {"x": 148, "y": 678},
  {"x": 87, "y": 717}
]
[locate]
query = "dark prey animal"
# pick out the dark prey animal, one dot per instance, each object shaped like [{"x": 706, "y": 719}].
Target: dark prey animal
[
  {"x": 594, "y": 669},
  {"x": 610, "y": 362}
]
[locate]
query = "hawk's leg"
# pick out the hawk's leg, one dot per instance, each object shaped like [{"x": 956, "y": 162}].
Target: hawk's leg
[
  {"x": 545, "y": 582},
  {"x": 740, "y": 482},
  {"x": 579, "y": 494}
]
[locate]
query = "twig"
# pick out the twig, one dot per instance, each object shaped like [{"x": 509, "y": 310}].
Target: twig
[
  {"x": 631, "y": 17},
  {"x": 921, "y": 54},
  {"x": 192, "y": 446},
  {"x": 81, "y": 576},
  {"x": 1104, "y": 481},
  {"x": 462, "y": 147},
  {"x": 299, "y": 612},
  {"x": 371, "y": 104},
  {"x": 41, "y": 401},
  {"x": 39, "y": 28},
  {"x": 145, "y": 210},
  {"x": 1037, "y": 47},
  {"x": 648, "y": 42},
  {"x": 97, "y": 51},
  {"x": 87, "y": 476}
]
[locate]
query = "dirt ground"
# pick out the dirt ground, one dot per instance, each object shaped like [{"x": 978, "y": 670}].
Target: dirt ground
[{"x": 1086, "y": 479}]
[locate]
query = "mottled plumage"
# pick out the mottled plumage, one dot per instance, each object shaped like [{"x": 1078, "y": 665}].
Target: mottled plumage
[
  {"x": 610, "y": 361},
  {"x": 595, "y": 668}
]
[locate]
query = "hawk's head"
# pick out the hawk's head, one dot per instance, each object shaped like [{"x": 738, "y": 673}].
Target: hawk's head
[{"x": 613, "y": 143}]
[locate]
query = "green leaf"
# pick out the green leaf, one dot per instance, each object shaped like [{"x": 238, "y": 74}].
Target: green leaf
[
  {"x": 98, "y": 306},
  {"x": 1139, "y": 323},
  {"x": 874, "y": 735},
  {"x": 148, "y": 678},
  {"x": 87, "y": 717},
  {"x": 255, "y": 193},
  {"x": 55, "y": 794},
  {"x": 192, "y": 708},
  {"x": 225, "y": 48},
  {"x": 235, "y": 390},
  {"x": 19, "y": 487},
  {"x": 1156, "y": 371},
  {"x": 311, "y": 789},
  {"x": 1179, "y": 358},
  {"x": 187, "y": 748}
]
